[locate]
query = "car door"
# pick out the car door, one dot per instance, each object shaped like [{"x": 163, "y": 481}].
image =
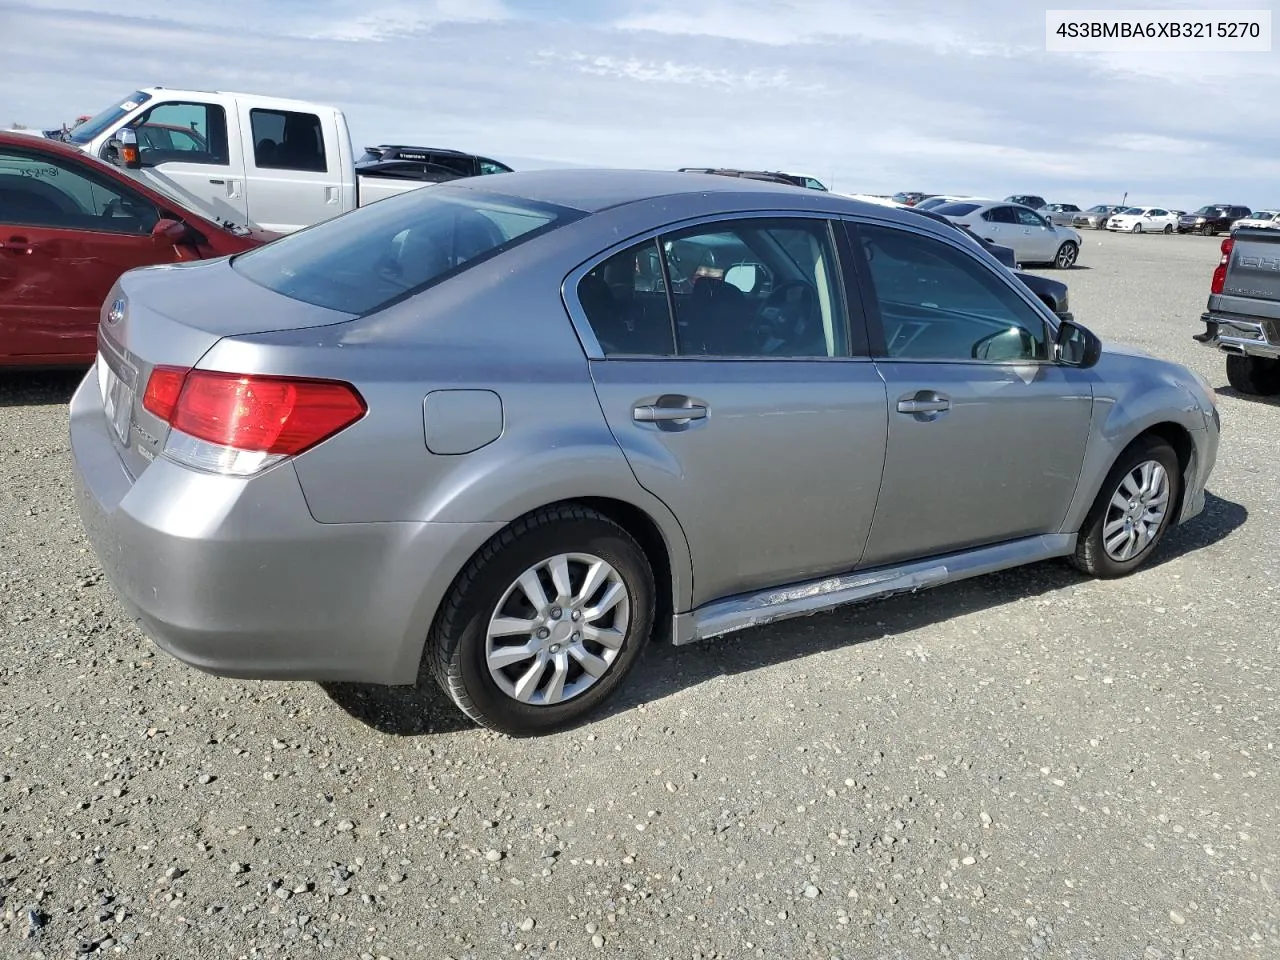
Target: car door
[
  {"x": 999, "y": 225},
  {"x": 292, "y": 168},
  {"x": 986, "y": 434},
  {"x": 66, "y": 235},
  {"x": 205, "y": 170},
  {"x": 737, "y": 384},
  {"x": 1037, "y": 236}
]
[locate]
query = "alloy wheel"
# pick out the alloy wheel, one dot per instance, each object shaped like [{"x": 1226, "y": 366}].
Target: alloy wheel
[
  {"x": 558, "y": 629},
  {"x": 1136, "y": 512},
  {"x": 1067, "y": 254}
]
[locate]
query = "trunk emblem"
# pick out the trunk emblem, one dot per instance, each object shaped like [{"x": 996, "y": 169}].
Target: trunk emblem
[{"x": 116, "y": 313}]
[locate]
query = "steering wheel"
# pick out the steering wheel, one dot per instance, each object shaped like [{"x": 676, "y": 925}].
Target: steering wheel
[{"x": 788, "y": 313}]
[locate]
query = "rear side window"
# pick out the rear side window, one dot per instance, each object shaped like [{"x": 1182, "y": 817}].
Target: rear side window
[
  {"x": 376, "y": 255},
  {"x": 287, "y": 140}
]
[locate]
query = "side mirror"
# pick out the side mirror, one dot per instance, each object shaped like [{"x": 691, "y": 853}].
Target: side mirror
[
  {"x": 169, "y": 231},
  {"x": 1074, "y": 346},
  {"x": 123, "y": 149}
]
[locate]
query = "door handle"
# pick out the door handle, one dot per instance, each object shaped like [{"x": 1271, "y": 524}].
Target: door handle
[
  {"x": 925, "y": 405},
  {"x": 651, "y": 413}
]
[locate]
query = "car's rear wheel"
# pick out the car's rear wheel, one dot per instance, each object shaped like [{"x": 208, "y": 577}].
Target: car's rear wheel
[
  {"x": 544, "y": 623},
  {"x": 1168, "y": 228},
  {"x": 1134, "y": 509},
  {"x": 1258, "y": 376},
  {"x": 1066, "y": 256}
]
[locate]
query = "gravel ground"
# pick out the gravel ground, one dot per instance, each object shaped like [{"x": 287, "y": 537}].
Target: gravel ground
[{"x": 1026, "y": 765}]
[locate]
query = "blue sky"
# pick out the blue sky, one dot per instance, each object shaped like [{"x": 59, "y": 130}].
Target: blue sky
[{"x": 869, "y": 95}]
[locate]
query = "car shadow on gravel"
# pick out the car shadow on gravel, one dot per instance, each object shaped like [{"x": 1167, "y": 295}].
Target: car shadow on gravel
[
  {"x": 666, "y": 670},
  {"x": 38, "y": 389},
  {"x": 1235, "y": 394}
]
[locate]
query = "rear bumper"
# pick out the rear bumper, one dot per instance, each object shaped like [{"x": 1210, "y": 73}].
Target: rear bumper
[
  {"x": 236, "y": 578},
  {"x": 1240, "y": 336}
]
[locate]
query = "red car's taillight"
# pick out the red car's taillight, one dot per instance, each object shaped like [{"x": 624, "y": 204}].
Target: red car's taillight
[
  {"x": 266, "y": 417},
  {"x": 1220, "y": 272}
]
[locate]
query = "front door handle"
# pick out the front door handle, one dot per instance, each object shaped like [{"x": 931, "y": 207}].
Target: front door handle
[
  {"x": 650, "y": 413},
  {"x": 925, "y": 405}
]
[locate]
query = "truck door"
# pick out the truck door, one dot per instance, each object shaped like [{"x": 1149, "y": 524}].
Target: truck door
[
  {"x": 293, "y": 169},
  {"x": 188, "y": 151}
]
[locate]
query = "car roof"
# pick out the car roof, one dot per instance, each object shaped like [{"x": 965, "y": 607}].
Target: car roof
[
  {"x": 53, "y": 146},
  {"x": 591, "y": 190}
]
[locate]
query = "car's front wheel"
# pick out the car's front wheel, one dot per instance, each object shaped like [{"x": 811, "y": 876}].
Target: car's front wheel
[
  {"x": 1134, "y": 509},
  {"x": 545, "y": 622},
  {"x": 1137, "y": 228},
  {"x": 1257, "y": 376},
  {"x": 1066, "y": 256}
]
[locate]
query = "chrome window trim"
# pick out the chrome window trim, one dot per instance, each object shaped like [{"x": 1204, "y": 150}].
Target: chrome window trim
[{"x": 587, "y": 336}]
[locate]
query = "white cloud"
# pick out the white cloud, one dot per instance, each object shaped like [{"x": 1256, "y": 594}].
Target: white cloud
[{"x": 875, "y": 95}]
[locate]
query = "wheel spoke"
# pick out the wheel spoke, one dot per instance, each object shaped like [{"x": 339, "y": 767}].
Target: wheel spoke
[
  {"x": 559, "y": 568},
  {"x": 596, "y": 666},
  {"x": 554, "y": 692},
  {"x": 613, "y": 639},
  {"x": 527, "y": 685},
  {"x": 511, "y": 626},
  {"x": 1142, "y": 536},
  {"x": 597, "y": 574},
  {"x": 1148, "y": 478},
  {"x": 1112, "y": 528},
  {"x": 1120, "y": 501},
  {"x": 532, "y": 588},
  {"x": 1131, "y": 485},
  {"x": 1116, "y": 544},
  {"x": 613, "y": 596},
  {"x": 506, "y": 656}
]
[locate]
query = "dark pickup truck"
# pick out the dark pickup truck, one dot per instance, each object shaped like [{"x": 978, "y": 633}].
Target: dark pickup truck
[{"x": 1243, "y": 316}]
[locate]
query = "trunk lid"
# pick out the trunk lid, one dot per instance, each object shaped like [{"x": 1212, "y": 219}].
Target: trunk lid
[{"x": 173, "y": 315}]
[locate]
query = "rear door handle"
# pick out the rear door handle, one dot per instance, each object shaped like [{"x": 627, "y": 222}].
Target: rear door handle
[
  {"x": 650, "y": 413},
  {"x": 924, "y": 405}
]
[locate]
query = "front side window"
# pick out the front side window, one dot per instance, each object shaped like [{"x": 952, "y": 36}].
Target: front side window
[
  {"x": 287, "y": 140},
  {"x": 743, "y": 288},
  {"x": 40, "y": 191},
  {"x": 492, "y": 166},
  {"x": 183, "y": 132},
  {"x": 939, "y": 303},
  {"x": 375, "y": 255}
]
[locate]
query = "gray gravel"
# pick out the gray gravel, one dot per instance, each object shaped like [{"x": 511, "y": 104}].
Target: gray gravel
[{"x": 1026, "y": 765}]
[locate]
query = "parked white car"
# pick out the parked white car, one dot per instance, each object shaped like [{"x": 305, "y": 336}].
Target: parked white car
[
  {"x": 1144, "y": 220},
  {"x": 263, "y": 162},
  {"x": 1033, "y": 238},
  {"x": 1264, "y": 219}
]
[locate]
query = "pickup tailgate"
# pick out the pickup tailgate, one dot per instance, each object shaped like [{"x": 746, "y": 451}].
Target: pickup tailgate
[{"x": 1252, "y": 285}]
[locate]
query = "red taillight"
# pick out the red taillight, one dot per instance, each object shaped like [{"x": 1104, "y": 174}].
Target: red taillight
[
  {"x": 163, "y": 387},
  {"x": 273, "y": 415},
  {"x": 1220, "y": 272}
]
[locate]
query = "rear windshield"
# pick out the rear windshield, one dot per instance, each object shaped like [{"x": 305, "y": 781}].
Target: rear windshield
[
  {"x": 956, "y": 209},
  {"x": 108, "y": 117},
  {"x": 364, "y": 260}
]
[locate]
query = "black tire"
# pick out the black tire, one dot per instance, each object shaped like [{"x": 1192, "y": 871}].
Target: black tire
[
  {"x": 1137, "y": 228},
  {"x": 1168, "y": 228},
  {"x": 1257, "y": 376},
  {"x": 1066, "y": 256},
  {"x": 455, "y": 650},
  {"x": 1091, "y": 556}
]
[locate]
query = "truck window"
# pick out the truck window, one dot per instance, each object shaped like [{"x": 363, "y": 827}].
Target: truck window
[
  {"x": 186, "y": 132},
  {"x": 286, "y": 140}
]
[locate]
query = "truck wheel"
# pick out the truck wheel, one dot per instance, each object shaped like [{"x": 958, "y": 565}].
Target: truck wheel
[
  {"x": 544, "y": 623},
  {"x": 1257, "y": 376},
  {"x": 1134, "y": 509}
]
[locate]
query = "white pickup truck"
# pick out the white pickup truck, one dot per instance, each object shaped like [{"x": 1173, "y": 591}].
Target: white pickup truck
[{"x": 265, "y": 162}]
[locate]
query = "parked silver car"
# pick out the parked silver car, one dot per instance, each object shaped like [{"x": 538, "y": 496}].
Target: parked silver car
[
  {"x": 1033, "y": 238},
  {"x": 1062, "y": 214},
  {"x": 505, "y": 430}
]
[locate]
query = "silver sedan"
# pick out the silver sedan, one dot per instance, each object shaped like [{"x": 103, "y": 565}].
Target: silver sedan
[
  {"x": 505, "y": 432},
  {"x": 1033, "y": 238}
]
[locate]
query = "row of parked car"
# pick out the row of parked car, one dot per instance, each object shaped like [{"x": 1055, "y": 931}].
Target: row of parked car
[{"x": 1209, "y": 220}]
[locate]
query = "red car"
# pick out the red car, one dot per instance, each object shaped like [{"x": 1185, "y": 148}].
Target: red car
[{"x": 70, "y": 225}]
